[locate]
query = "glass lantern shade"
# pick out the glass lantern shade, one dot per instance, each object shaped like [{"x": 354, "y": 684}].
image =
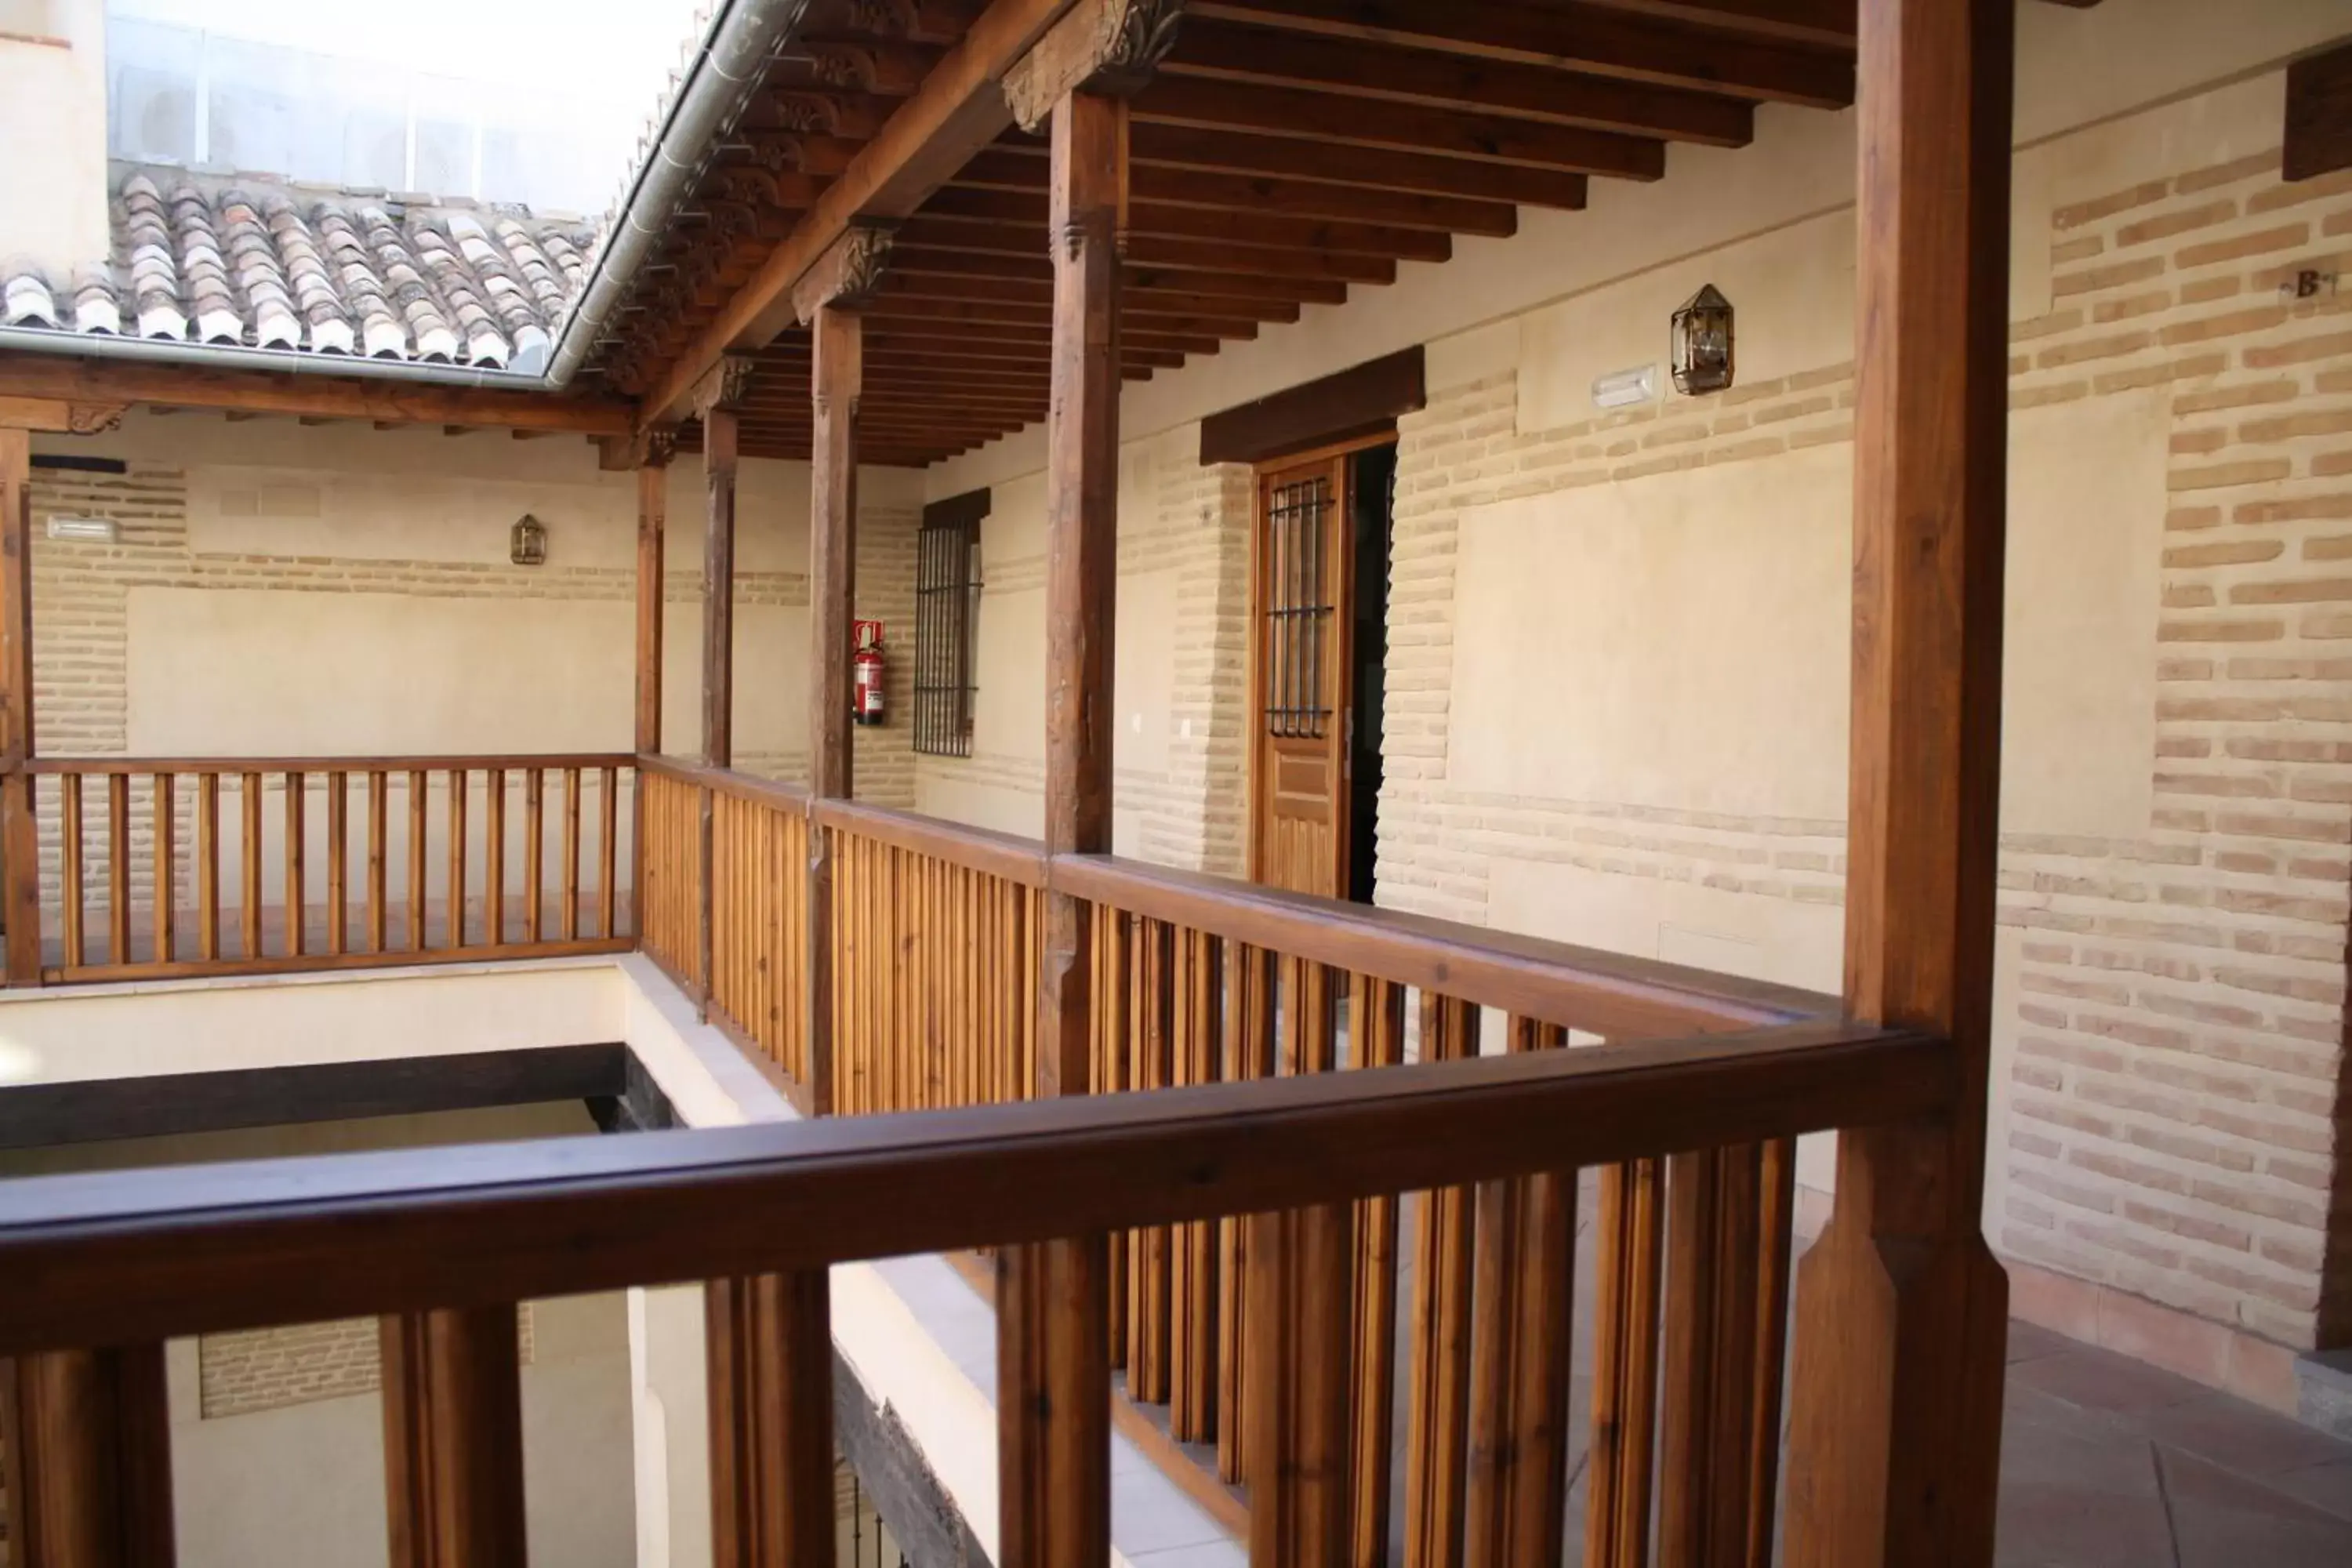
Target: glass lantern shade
[
  {"x": 1701, "y": 342},
  {"x": 528, "y": 543}
]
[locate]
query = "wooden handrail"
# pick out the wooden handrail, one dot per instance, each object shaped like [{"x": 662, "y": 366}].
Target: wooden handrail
[
  {"x": 130, "y": 1256},
  {"x": 327, "y": 764},
  {"x": 1610, "y": 993},
  {"x": 1587, "y": 988},
  {"x": 1008, "y": 856},
  {"x": 779, "y": 792}
]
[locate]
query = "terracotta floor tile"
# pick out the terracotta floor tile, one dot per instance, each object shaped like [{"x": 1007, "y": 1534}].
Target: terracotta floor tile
[
  {"x": 2240, "y": 1438},
  {"x": 2222, "y": 1521},
  {"x": 2328, "y": 1487},
  {"x": 2100, "y": 1380}
]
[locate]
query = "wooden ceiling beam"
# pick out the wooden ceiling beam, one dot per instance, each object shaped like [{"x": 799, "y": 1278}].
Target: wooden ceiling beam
[
  {"x": 1196, "y": 255},
  {"x": 316, "y": 395},
  {"x": 999, "y": 290},
  {"x": 958, "y": 314},
  {"x": 1240, "y": 153},
  {"x": 1595, "y": 39},
  {"x": 1207, "y": 104},
  {"x": 866, "y": 65},
  {"x": 959, "y": 108},
  {"x": 917, "y": 261},
  {"x": 1005, "y": 168},
  {"x": 1312, "y": 61},
  {"x": 1830, "y": 23},
  {"x": 1270, "y": 227}
]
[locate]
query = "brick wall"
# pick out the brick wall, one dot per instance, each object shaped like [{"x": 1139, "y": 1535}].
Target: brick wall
[
  {"x": 81, "y": 594},
  {"x": 2177, "y": 1053},
  {"x": 267, "y": 1368},
  {"x": 1195, "y": 522}
]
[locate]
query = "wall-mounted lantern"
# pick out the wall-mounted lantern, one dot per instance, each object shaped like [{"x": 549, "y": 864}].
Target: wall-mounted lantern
[
  {"x": 1701, "y": 342},
  {"x": 529, "y": 542}
]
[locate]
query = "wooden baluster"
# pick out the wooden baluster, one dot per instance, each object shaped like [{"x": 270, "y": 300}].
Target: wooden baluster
[
  {"x": 20, "y": 823},
  {"x": 1777, "y": 1227},
  {"x": 1629, "y": 1232},
  {"x": 494, "y": 857},
  {"x": 570, "y": 910},
  {"x": 1437, "y": 1423},
  {"x": 1152, "y": 1010},
  {"x": 534, "y": 831},
  {"x": 457, "y": 899},
  {"x": 379, "y": 790},
  {"x": 1711, "y": 1338},
  {"x": 453, "y": 1438},
  {"x": 1249, "y": 1000},
  {"x": 297, "y": 889},
  {"x": 167, "y": 806},
  {"x": 1376, "y": 1021},
  {"x": 86, "y": 1441},
  {"x": 70, "y": 833},
  {"x": 1194, "y": 1287},
  {"x": 1728, "y": 1247},
  {"x": 1524, "y": 1296},
  {"x": 208, "y": 944},
  {"x": 339, "y": 851},
  {"x": 608, "y": 841},
  {"x": 1116, "y": 935},
  {"x": 118, "y": 868},
  {"x": 418, "y": 890},
  {"x": 769, "y": 1354},
  {"x": 1894, "y": 1444},
  {"x": 248, "y": 802},
  {"x": 1300, "y": 1309}
]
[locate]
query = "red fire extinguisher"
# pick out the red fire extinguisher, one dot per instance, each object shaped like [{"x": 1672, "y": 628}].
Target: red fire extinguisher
[{"x": 866, "y": 703}]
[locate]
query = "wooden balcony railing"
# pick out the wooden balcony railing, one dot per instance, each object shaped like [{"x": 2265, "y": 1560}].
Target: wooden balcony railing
[
  {"x": 1201, "y": 981},
  {"x": 445, "y": 1241},
  {"x": 160, "y": 867}
]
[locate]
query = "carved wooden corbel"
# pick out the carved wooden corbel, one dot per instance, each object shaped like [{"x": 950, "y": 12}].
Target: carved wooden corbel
[
  {"x": 1111, "y": 46},
  {"x": 848, "y": 273},
  {"x": 724, "y": 386}
]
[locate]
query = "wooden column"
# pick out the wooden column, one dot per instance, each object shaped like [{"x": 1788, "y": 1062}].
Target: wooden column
[
  {"x": 1053, "y": 1300},
  {"x": 453, "y": 1438},
  {"x": 717, "y": 403},
  {"x": 1901, "y": 1309},
  {"x": 827, "y": 300},
  {"x": 652, "y": 463},
  {"x": 20, "y": 870},
  {"x": 653, "y": 517},
  {"x": 769, "y": 1348},
  {"x": 86, "y": 1440}
]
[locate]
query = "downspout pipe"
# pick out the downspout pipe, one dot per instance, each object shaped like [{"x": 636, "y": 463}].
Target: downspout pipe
[{"x": 743, "y": 38}]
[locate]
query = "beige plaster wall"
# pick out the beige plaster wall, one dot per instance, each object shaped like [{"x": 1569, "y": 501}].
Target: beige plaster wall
[
  {"x": 53, "y": 98},
  {"x": 1617, "y": 681}
]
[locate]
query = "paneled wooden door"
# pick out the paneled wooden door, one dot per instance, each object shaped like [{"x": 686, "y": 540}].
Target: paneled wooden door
[{"x": 1301, "y": 585}]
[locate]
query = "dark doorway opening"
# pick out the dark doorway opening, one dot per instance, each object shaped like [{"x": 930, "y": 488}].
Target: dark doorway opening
[{"x": 1373, "y": 490}]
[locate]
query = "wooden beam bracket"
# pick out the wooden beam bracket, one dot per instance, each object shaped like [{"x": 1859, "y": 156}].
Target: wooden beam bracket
[
  {"x": 725, "y": 387},
  {"x": 651, "y": 447},
  {"x": 1106, "y": 46},
  {"x": 846, "y": 276}
]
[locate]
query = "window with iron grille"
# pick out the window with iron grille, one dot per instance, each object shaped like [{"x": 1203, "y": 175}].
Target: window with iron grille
[{"x": 947, "y": 620}]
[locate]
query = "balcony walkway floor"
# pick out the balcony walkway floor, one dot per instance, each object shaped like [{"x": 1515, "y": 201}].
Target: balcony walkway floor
[{"x": 2108, "y": 1462}]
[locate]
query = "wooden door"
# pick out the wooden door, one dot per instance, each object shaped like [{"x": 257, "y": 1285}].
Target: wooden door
[{"x": 1301, "y": 579}]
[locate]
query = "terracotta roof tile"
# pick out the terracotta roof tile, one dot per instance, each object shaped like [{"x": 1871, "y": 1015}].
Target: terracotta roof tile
[{"x": 260, "y": 263}]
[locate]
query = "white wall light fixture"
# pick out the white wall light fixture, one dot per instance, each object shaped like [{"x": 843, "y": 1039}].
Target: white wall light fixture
[
  {"x": 83, "y": 529},
  {"x": 1624, "y": 388}
]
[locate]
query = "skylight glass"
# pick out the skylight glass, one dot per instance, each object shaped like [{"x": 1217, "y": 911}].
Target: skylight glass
[{"x": 539, "y": 103}]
